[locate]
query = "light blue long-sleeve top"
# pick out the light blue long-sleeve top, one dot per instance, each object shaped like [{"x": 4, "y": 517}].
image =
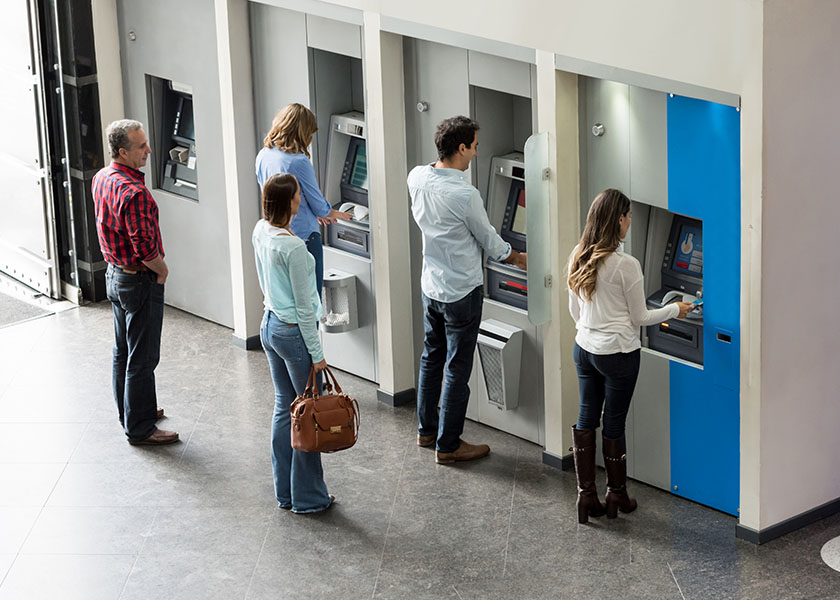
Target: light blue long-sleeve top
[
  {"x": 455, "y": 227},
  {"x": 287, "y": 278},
  {"x": 271, "y": 161}
]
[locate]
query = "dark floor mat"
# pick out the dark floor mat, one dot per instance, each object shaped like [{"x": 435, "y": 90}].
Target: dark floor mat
[{"x": 14, "y": 311}]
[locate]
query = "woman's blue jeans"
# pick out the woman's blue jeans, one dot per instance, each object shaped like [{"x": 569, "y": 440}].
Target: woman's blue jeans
[
  {"x": 298, "y": 476},
  {"x": 606, "y": 383}
]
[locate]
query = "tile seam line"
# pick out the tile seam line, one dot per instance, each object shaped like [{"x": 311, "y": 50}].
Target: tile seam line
[
  {"x": 259, "y": 556},
  {"x": 139, "y": 552},
  {"x": 510, "y": 513},
  {"x": 43, "y": 506},
  {"x": 212, "y": 388},
  {"x": 675, "y": 580},
  {"x": 390, "y": 520}
]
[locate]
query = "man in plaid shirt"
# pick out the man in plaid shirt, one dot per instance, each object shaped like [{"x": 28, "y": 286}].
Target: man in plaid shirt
[{"x": 129, "y": 235}]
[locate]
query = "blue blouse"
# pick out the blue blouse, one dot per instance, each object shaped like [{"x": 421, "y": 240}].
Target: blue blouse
[{"x": 271, "y": 161}]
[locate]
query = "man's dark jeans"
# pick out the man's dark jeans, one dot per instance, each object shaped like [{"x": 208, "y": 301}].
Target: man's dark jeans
[
  {"x": 137, "y": 300},
  {"x": 606, "y": 383},
  {"x": 451, "y": 331}
]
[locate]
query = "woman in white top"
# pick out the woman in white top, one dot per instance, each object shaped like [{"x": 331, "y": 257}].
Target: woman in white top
[
  {"x": 289, "y": 337},
  {"x": 607, "y": 302}
]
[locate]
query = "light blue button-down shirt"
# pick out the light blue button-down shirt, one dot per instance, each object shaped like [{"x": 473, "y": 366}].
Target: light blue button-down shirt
[
  {"x": 286, "y": 272},
  {"x": 271, "y": 161},
  {"x": 451, "y": 215}
]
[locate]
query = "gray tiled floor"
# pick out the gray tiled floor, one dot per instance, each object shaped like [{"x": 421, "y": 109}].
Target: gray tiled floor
[{"x": 85, "y": 515}]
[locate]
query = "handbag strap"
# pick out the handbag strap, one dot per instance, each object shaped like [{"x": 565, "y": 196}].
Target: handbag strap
[{"x": 330, "y": 383}]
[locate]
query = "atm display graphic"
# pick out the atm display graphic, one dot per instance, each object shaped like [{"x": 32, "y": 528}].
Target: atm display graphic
[
  {"x": 359, "y": 174},
  {"x": 688, "y": 252}
]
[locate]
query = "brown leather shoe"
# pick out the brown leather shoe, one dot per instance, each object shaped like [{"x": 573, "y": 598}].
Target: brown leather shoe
[
  {"x": 158, "y": 438},
  {"x": 426, "y": 441},
  {"x": 159, "y": 414},
  {"x": 464, "y": 452}
]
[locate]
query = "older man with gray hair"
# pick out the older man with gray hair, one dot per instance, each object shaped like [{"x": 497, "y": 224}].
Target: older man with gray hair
[{"x": 129, "y": 235}]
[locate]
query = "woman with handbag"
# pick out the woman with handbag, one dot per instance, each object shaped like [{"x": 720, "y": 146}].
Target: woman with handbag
[
  {"x": 607, "y": 302},
  {"x": 286, "y": 151},
  {"x": 289, "y": 337}
]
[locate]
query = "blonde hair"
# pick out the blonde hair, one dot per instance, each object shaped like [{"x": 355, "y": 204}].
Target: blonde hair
[
  {"x": 601, "y": 237},
  {"x": 292, "y": 130}
]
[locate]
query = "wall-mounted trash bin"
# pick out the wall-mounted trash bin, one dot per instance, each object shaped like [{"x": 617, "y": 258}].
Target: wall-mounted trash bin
[
  {"x": 500, "y": 356},
  {"x": 339, "y": 301}
]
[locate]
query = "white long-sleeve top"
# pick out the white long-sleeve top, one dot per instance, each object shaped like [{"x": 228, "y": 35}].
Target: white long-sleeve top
[{"x": 610, "y": 322}]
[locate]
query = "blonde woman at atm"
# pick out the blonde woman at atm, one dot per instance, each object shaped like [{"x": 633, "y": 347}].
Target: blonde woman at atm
[
  {"x": 286, "y": 150},
  {"x": 607, "y": 302}
]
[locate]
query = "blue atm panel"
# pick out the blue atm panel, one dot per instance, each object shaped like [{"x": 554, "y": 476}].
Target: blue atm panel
[{"x": 704, "y": 183}]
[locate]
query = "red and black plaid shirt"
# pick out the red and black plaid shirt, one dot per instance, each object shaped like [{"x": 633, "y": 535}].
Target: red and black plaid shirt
[{"x": 126, "y": 216}]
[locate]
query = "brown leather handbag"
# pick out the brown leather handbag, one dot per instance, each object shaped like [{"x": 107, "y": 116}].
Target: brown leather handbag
[{"x": 327, "y": 423}]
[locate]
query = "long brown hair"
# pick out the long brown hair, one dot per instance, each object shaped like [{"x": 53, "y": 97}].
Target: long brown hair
[
  {"x": 601, "y": 237},
  {"x": 277, "y": 196},
  {"x": 292, "y": 130}
]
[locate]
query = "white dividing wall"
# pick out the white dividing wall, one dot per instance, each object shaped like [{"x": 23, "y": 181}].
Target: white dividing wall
[{"x": 800, "y": 379}]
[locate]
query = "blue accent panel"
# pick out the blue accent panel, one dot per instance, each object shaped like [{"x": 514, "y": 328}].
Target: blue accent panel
[{"x": 704, "y": 182}]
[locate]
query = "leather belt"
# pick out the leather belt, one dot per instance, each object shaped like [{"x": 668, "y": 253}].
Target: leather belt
[{"x": 132, "y": 269}]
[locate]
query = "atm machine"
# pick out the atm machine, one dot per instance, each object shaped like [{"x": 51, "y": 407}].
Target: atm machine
[
  {"x": 348, "y": 329},
  {"x": 682, "y": 280},
  {"x": 506, "y": 382},
  {"x": 505, "y": 283}
]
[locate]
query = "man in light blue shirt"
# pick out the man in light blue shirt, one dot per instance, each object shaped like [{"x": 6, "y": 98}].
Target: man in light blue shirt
[{"x": 455, "y": 227}]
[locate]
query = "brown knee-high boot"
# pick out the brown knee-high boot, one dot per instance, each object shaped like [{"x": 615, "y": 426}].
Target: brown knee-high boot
[
  {"x": 615, "y": 463},
  {"x": 587, "y": 504}
]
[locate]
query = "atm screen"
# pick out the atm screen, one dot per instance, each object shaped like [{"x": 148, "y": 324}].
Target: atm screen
[
  {"x": 513, "y": 228},
  {"x": 358, "y": 172},
  {"x": 688, "y": 251},
  {"x": 518, "y": 224},
  {"x": 185, "y": 126}
]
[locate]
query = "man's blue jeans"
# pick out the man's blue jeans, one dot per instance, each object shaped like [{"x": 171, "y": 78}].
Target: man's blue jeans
[
  {"x": 451, "y": 331},
  {"x": 606, "y": 383},
  {"x": 298, "y": 476},
  {"x": 137, "y": 300}
]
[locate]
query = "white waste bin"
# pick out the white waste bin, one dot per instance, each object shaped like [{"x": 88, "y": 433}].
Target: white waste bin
[
  {"x": 500, "y": 356},
  {"x": 339, "y": 301}
]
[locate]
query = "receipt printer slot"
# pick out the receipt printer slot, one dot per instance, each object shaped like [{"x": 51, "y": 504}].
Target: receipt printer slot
[
  {"x": 678, "y": 338},
  {"x": 345, "y": 236}
]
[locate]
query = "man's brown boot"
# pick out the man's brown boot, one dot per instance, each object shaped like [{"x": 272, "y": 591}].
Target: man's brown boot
[
  {"x": 158, "y": 438},
  {"x": 464, "y": 452},
  {"x": 426, "y": 441}
]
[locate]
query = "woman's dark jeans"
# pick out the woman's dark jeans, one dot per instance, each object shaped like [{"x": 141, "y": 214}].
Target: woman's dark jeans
[
  {"x": 451, "y": 332},
  {"x": 316, "y": 249},
  {"x": 606, "y": 383}
]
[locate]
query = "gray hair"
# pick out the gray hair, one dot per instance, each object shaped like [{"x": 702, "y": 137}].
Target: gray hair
[{"x": 117, "y": 134}]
